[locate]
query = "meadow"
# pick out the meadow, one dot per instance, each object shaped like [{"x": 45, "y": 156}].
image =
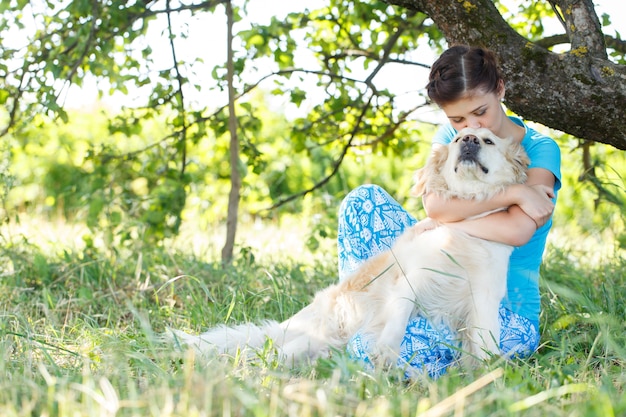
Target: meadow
[{"x": 81, "y": 332}]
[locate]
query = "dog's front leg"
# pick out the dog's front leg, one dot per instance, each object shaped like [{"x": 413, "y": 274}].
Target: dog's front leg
[
  {"x": 302, "y": 348},
  {"x": 484, "y": 326},
  {"x": 397, "y": 314}
]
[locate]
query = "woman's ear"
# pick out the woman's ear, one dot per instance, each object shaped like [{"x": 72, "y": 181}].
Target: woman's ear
[{"x": 501, "y": 90}]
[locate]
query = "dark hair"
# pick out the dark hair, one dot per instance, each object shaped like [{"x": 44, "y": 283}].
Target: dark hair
[{"x": 461, "y": 71}]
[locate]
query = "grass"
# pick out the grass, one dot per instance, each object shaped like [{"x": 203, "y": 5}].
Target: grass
[{"x": 80, "y": 332}]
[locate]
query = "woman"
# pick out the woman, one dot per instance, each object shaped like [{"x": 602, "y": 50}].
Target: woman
[{"x": 466, "y": 84}]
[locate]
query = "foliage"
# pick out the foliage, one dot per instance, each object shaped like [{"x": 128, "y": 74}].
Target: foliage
[
  {"x": 130, "y": 191},
  {"x": 89, "y": 175},
  {"x": 593, "y": 195},
  {"x": 81, "y": 335},
  {"x": 69, "y": 43}
]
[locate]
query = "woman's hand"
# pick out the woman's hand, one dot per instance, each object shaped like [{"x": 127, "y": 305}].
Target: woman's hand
[{"x": 536, "y": 202}]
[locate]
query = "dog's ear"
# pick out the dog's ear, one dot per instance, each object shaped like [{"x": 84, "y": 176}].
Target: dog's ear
[
  {"x": 430, "y": 171},
  {"x": 519, "y": 160}
]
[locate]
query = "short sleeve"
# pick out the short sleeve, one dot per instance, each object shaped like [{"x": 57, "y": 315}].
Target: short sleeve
[
  {"x": 444, "y": 135},
  {"x": 544, "y": 153}
]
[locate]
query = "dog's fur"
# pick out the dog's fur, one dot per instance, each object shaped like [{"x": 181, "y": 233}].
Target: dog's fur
[{"x": 443, "y": 274}]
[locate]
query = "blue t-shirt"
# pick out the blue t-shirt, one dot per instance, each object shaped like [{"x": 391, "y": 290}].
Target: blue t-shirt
[{"x": 523, "y": 278}]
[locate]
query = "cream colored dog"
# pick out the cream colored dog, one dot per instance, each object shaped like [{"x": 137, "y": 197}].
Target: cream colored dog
[{"x": 442, "y": 274}]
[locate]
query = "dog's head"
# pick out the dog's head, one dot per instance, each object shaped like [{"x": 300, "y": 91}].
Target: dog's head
[{"x": 476, "y": 164}]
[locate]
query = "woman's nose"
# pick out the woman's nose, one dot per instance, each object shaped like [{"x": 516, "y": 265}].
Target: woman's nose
[{"x": 473, "y": 123}]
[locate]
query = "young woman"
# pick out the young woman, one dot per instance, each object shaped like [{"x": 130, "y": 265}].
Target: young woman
[{"x": 466, "y": 84}]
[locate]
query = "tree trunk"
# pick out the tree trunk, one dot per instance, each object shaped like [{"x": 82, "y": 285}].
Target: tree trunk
[
  {"x": 579, "y": 92},
  {"x": 235, "y": 177}
]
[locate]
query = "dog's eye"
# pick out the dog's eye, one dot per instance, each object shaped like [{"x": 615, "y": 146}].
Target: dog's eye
[{"x": 489, "y": 141}]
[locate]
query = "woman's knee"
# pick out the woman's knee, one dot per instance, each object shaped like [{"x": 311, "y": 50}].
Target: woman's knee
[
  {"x": 358, "y": 198},
  {"x": 364, "y": 192},
  {"x": 519, "y": 337}
]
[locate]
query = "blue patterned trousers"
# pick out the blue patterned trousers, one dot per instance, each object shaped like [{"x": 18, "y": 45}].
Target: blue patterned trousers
[{"x": 370, "y": 220}]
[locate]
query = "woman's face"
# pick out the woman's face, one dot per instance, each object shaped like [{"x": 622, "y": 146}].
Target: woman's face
[{"x": 477, "y": 110}]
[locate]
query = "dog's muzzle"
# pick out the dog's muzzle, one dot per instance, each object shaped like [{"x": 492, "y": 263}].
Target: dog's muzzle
[{"x": 470, "y": 146}]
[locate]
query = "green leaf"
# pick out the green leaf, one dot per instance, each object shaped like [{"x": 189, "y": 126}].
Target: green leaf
[{"x": 297, "y": 96}]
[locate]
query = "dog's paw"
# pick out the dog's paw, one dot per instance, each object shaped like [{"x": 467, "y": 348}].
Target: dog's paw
[
  {"x": 424, "y": 225},
  {"x": 420, "y": 227},
  {"x": 384, "y": 356}
]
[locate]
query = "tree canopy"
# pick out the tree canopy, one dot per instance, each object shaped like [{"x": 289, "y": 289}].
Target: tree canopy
[{"x": 580, "y": 91}]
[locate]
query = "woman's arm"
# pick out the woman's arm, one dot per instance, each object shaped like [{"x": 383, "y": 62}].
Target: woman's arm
[
  {"x": 512, "y": 227},
  {"x": 529, "y": 207},
  {"x": 534, "y": 197}
]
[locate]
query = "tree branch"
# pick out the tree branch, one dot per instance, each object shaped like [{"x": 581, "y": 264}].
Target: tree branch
[
  {"x": 374, "y": 57},
  {"x": 206, "y": 5},
  {"x": 387, "y": 50},
  {"x": 582, "y": 26},
  {"x": 16, "y": 103},
  {"x": 548, "y": 42},
  {"x": 336, "y": 165},
  {"x": 357, "y": 124}
]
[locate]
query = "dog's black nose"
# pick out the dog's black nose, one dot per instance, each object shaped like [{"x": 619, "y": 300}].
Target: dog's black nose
[{"x": 470, "y": 138}]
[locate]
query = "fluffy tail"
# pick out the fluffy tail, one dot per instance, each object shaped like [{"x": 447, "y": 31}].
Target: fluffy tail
[
  {"x": 229, "y": 339},
  {"x": 304, "y": 335}
]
